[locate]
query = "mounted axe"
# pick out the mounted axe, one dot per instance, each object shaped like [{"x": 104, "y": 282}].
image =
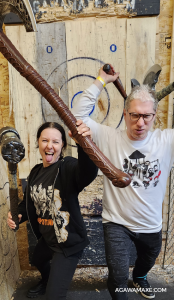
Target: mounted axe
[
  {"x": 13, "y": 152},
  {"x": 23, "y": 9}
]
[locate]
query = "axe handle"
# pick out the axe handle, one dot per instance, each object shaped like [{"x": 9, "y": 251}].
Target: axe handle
[
  {"x": 117, "y": 82},
  {"x": 13, "y": 193},
  {"x": 118, "y": 178},
  {"x": 165, "y": 91}
]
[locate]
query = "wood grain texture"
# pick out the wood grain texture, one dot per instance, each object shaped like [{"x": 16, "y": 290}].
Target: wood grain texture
[
  {"x": 163, "y": 57},
  {"x": 97, "y": 38},
  {"x": 52, "y": 65},
  {"x": 100, "y": 41},
  {"x": 25, "y": 99},
  {"x": 27, "y": 102},
  {"x": 118, "y": 177},
  {"x": 58, "y": 10},
  {"x": 140, "y": 48},
  {"x": 9, "y": 260},
  {"x": 171, "y": 96}
]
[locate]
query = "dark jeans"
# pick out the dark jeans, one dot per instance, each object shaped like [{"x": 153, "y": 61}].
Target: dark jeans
[
  {"x": 118, "y": 242},
  {"x": 59, "y": 273}
]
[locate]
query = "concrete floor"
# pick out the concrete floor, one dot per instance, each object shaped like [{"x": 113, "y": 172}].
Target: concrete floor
[{"x": 96, "y": 290}]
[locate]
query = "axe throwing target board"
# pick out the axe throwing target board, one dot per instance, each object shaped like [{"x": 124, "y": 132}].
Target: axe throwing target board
[{"x": 68, "y": 56}]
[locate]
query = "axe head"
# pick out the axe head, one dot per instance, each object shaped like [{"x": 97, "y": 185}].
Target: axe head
[
  {"x": 134, "y": 82},
  {"x": 12, "y": 149},
  {"x": 22, "y": 8},
  {"x": 151, "y": 78}
]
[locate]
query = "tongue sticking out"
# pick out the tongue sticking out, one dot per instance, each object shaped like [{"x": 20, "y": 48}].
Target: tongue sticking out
[{"x": 49, "y": 157}]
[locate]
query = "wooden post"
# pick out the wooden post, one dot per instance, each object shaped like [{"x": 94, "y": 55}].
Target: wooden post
[{"x": 171, "y": 96}]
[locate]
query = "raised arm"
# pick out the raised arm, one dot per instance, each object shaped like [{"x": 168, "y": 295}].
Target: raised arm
[{"x": 83, "y": 107}]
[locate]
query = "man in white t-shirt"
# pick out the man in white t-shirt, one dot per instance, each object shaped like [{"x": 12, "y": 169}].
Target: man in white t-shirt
[{"x": 132, "y": 214}]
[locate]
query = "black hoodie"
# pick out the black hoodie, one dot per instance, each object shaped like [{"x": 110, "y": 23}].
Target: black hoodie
[{"x": 70, "y": 177}]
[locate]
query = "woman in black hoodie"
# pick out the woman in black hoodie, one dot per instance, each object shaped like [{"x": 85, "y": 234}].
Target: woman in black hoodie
[{"x": 51, "y": 206}]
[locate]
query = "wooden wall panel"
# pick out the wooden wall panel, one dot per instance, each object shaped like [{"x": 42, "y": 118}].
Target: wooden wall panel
[
  {"x": 171, "y": 96},
  {"x": 9, "y": 260},
  {"x": 46, "y": 52},
  {"x": 25, "y": 99},
  {"x": 52, "y": 65},
  {"x": 90, "y": 45},
  {"x": 163, "y": 57},
  {"x": 97, "y": 42},
  {"x": 68, "y": 56},
  {"x": 140, "y": 50}
]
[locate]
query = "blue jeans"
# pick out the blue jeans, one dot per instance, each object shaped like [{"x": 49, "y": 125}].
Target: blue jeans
[{"x": 118, "y": 242}]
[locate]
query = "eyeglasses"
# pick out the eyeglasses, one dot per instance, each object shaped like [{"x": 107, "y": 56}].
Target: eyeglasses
[{"x": 146, "y": 117}]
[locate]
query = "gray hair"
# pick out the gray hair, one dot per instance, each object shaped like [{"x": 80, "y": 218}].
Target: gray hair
[{"x": 142, "y": 93}]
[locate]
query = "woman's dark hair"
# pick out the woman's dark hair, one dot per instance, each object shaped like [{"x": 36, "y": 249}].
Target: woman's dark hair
[{"x": 59, "y": 128}]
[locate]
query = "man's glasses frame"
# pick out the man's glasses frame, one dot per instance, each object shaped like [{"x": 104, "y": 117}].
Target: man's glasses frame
[{"x": 146, "y": 117}]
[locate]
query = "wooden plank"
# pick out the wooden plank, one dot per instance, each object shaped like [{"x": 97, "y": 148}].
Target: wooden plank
[
  {"x": 140, "y": 50},
  {"x": 101, "y": 41},
  {"x": 98, "y": 40},
  {"x": 52, "y": 65},
  {"x": 168, "y": 205},
  {"x": 163, "y": 58},
  {"x": 9, "y": 260},
  {"x": 25, "y": 99},
  {"x": 171, "y": 96},
  {"x": 45, "y": 51}
]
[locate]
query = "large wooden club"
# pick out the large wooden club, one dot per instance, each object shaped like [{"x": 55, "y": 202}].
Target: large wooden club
[{"x": 24, "y": 11}]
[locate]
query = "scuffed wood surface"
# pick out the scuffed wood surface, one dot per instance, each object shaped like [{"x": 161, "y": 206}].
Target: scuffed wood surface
[
  {"x": 9, "y": 260},
  {"x": 61, "y": 10},
  {"x": 171, "y": 96},
  {"x": 163, "y": 58},
  {"x": 52, "y": 65},
  {"x": 70, "y": 67},
  {"x": 71, "y": 10},
  {"x": 6, "y": 116},
  {"x": 25, "y": 99},
  {"x": 140, "y": 48},
  {"x": 94, "y": 50}
]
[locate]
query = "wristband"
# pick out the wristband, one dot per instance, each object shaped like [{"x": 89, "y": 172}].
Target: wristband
[{"x": 101, "y": 80}]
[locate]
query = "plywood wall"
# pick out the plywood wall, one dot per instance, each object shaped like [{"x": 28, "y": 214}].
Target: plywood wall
[
  {"x": 165, "y": 110},
  {"x": 163, "y": 57},
  {"x": 68, "y": 56},
  {"x": 9, "y": 260}
]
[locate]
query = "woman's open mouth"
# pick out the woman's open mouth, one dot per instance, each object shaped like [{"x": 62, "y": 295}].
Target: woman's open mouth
[{"x": 49, "y": 156}]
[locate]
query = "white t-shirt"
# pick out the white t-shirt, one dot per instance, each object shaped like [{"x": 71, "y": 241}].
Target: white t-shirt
[{"x": 138, "y": 206}]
